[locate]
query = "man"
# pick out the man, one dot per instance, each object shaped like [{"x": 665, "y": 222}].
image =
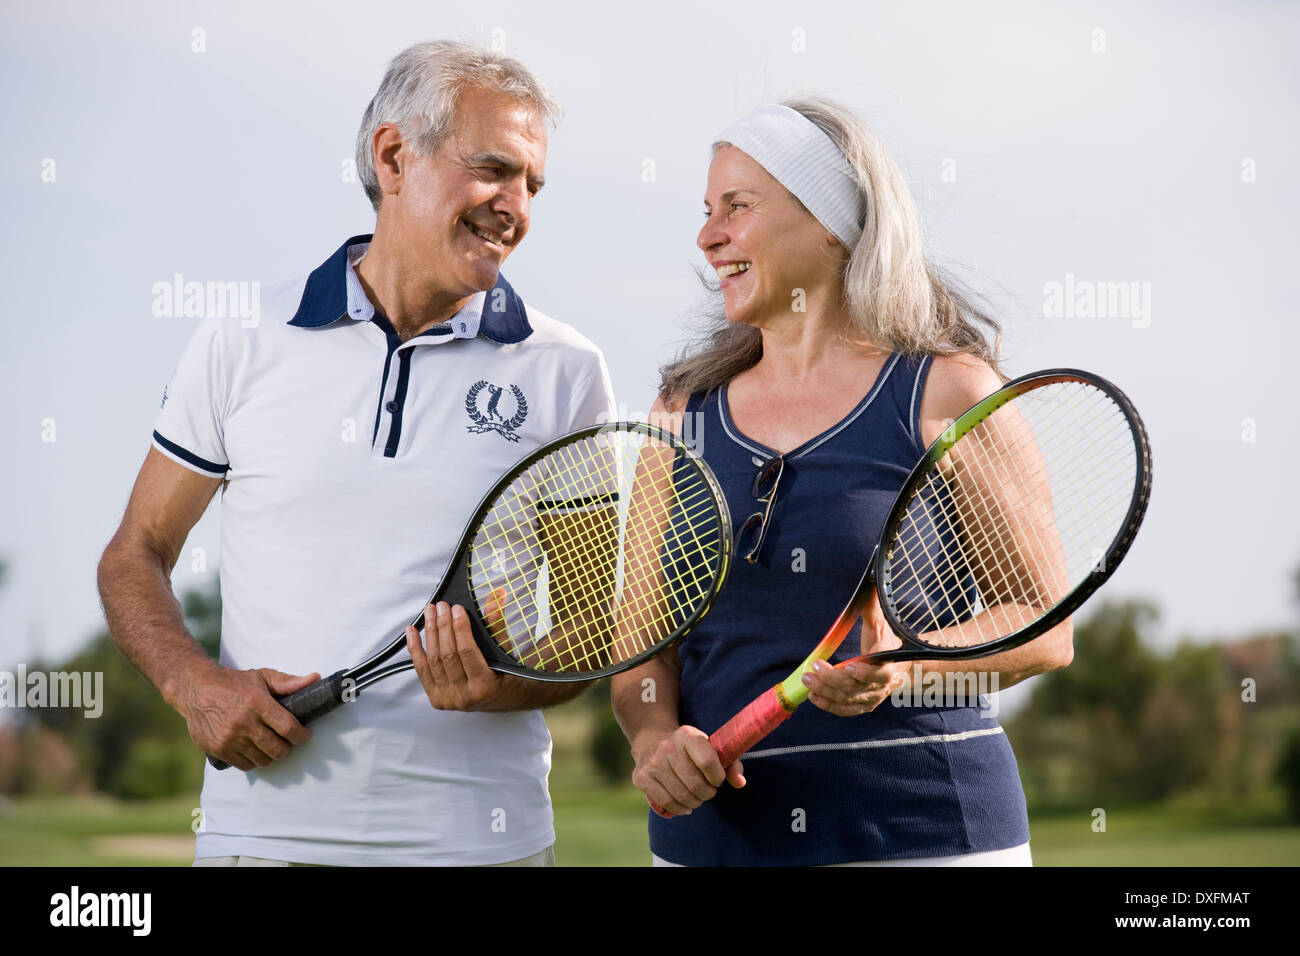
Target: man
[{"x": 349, "y": 433}]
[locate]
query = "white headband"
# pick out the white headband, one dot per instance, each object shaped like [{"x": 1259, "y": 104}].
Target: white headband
[{"x": 802, "y": 158}]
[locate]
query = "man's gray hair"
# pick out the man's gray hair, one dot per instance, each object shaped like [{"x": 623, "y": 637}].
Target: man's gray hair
[{"x": 420, "y": 90}]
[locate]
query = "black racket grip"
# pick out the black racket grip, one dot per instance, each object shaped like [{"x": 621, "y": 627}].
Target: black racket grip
[{"x": 307, "y": 704}]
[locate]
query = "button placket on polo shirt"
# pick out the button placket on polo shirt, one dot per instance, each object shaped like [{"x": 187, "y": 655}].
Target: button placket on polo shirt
[{"x": 393, "y": 401}]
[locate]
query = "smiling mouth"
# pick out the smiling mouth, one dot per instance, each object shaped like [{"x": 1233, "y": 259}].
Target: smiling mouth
[
  {"x": 734, "y": 268},
  {"x": 484, "y": 234}
]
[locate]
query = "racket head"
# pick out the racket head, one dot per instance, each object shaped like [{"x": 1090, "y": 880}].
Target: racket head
[
  {"x": 1025, "y": 505},
  {"x": 593, "y": 553}
]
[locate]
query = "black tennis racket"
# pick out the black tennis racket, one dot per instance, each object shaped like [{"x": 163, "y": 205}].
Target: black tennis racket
[
  {"x": 1018, "y": 512},
  {"x": 591, "y": 555}
]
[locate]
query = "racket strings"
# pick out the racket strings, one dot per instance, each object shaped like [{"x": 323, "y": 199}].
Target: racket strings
[
  {"x": 995, "y": 553},
  {"x": 1030, "y": 602},
  {"x": 517, "y": 545},
  {"x": 1011, "y": 579},
  {"x": 544, "y": 515},
  {"x": 545, "y": 491},
  {"x": 1029, "y": 544},
  {"x": 1111, "y": 458},
  {"x": 647, "y": 612},
  {"x": 1013, "y": 517},
  {"x": 638, "y": 622},
  {"x": 597, "y": 553},
  {"x": 696, "y": 502},
  {"x": 998, "y": 548},
  {"x": 646, "y": 623}
]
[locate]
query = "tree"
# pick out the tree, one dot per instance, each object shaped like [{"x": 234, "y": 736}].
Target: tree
[
  {"x": 138, "y": 746},
  {"x": 1288, "y": 774},
  {"x": 1121, "y": 723},
  {"x": 1112, "y": 665}
]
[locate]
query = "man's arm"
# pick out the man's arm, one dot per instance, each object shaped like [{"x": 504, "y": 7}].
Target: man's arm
[{"x": 230, "y": 714}]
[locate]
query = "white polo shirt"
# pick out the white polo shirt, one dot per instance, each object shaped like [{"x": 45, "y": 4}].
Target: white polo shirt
[{"x": 351, "y": 463}]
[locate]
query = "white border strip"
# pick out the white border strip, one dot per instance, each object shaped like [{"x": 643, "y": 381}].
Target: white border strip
[
  {"x": 853, "y": 416},
  {"x": 873, "y": 744},
  {"x": 722, "y": 416},
  {"x": 197, "y": 469},
  {"x": 913, "y": 411}
]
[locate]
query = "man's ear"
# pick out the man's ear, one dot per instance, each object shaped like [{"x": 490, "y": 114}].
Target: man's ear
[{"x": 390, "y": 154}]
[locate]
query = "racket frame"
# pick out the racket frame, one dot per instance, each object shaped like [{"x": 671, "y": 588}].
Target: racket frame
[
  {"x": 776, "y": 704},
  {"x": 878, "y": 572},
  {"x": 454, "y": 588},
  {"x": 345, "y": 685}
]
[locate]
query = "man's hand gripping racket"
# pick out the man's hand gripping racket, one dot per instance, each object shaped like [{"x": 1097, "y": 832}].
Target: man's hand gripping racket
[{"x": 590, "y": 556}]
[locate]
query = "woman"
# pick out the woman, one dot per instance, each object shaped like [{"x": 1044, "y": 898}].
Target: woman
[{"x": 842, "y": 357}]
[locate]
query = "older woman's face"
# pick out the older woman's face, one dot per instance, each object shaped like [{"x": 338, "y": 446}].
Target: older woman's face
[{"x": 761, "y": 242}]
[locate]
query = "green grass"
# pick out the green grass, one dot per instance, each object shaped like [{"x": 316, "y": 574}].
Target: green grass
[
  {"x": 600, "y": 825},
  {"x": 1162, "y": 836},
  {"x": 96, "y": 831}
]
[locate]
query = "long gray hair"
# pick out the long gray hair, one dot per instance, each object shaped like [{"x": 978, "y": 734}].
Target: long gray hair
[
  {"x": 419, "y": 92},
  {"x": 895, "y": 297}
]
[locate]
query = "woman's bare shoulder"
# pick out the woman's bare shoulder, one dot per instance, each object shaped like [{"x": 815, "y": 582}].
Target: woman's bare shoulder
[
  {"x": 955, "y": 383},
  {"x": 667, "y": 412}
]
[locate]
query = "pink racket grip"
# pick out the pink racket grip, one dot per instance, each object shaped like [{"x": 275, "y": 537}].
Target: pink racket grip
[{"x": 763, "y": 715}]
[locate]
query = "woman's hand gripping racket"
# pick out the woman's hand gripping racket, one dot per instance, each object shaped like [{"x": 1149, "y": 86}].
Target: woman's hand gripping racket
[
  {"x": 591, "y": 555},
  {"x": 1019, "y": 511}
]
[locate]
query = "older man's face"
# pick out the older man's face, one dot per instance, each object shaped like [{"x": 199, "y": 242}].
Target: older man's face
[{"x": 465, "y": 208}]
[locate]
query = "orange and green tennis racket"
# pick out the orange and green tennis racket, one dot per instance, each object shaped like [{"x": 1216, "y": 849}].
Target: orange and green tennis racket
[{"x": 1018, "y": 512}]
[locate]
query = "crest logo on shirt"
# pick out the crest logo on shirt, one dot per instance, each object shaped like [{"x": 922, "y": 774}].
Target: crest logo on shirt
[{"x": 484, "y": 404}]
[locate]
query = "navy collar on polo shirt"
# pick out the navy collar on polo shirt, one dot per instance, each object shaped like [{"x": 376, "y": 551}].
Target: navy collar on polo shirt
[{"x": 325, "y": 300}]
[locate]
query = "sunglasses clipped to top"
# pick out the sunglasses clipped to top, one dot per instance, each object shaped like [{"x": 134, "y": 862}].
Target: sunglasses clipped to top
[{"x": 764, "y": 489}]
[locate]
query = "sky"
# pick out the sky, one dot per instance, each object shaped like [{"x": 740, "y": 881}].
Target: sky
[{"x": 1052, "y": 148}]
